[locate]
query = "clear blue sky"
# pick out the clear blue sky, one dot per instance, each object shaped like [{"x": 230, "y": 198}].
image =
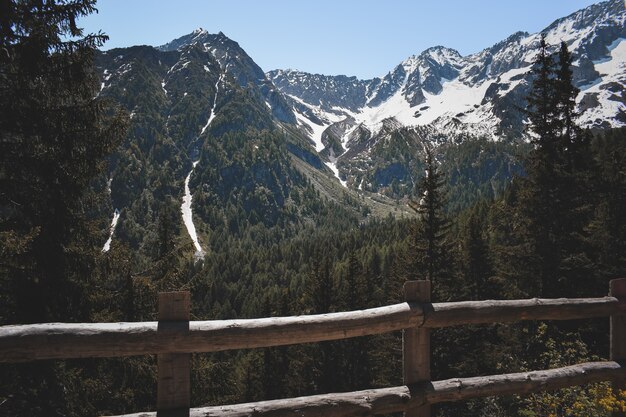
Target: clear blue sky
[{"x": 366, "y": 38}]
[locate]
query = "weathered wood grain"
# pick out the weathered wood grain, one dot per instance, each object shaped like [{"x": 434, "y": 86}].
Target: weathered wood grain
[
  {"x": 507, "y": 311},
  {"x": 82, "y": 340},
  {"x": 617, "y": 288},
  {"x": 359, "y": 403},
  {"x": 173, "y": 369},
  {"x": 397, "y": 399},
  {"x": 416, "y": 346},
  {"x": 521, "y": 383}
]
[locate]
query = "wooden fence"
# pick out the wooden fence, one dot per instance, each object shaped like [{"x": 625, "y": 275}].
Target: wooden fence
[{"x": 173, "y": 338}]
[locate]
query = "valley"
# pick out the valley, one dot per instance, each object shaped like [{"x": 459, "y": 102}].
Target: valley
[{"x": 369, "y": 135}]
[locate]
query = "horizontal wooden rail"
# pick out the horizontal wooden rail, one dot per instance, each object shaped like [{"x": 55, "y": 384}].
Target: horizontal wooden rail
[
  {"x": 81, "y": 340},
  {"x": 507, "y": 311},
  {"x": 403, "y": 398}
]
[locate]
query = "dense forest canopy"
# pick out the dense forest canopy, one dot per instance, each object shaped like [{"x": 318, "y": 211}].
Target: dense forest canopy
[{"x": 553, "y": 226}]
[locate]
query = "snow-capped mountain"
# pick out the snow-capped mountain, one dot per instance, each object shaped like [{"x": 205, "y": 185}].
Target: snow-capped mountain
[
  {"x": 480, "y": 93},
  {"x": 191, "y": 98}
]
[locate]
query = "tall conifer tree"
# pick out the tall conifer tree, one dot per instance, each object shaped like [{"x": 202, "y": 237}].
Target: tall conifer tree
[
  {"x": 428, "y": 246},
  {"x": 542, "y": 101},
  {"x": 54, "y": 138},
  {"x": 540, "y": 201},
  {"x": 555, "y": 195},
  {"x": 565, "y": 95}
]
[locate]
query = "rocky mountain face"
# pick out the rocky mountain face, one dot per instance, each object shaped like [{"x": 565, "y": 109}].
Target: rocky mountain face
[
  {"x": 205, "y": 129},
  {"x": 453, "y": 96},
  {"x": 232, "y": 59}
]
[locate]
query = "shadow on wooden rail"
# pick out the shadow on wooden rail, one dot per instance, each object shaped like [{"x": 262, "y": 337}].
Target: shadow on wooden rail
[
  {"x": 174, "y": 334},
  {"x": 407, "y": 398}
]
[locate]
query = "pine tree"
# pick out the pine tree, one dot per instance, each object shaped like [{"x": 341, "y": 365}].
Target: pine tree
[
  {"x": 355, "y": 292},
  {"x": 428, "y": 249},
  {"x": 476, "y": 263},
  {"x": 565, "y": 97},
  {"x": 607, "y": 228},
  {"x": 538, "y": 194},
  {"x": 541, "y": 108},
  {"x": 514, "y": 256},
  {"x": 165, "y": 231},
  {"x": 555, "y": 197},
  {"x": 355, "y": 351},
  {"x": 319, "y": 298},
  {"x": 575, "y": 186},
  {"x": 54, "y": 138},
  {"x": 319, "y": 287},
  {"x": 275, "y": 359}
]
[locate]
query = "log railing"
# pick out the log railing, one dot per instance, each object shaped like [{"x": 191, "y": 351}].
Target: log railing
[{"x": 173, "y": 337}]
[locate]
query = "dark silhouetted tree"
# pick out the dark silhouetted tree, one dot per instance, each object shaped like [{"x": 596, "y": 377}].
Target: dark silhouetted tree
[{"x": 54, "y": 138}]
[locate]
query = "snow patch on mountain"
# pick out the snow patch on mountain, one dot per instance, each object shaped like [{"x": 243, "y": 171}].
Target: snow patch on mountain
[
  {"x": 615, "y": 64},
  {"x": 332, "y": 164},
  {"x": 607, "y": 92},
  {"x": 116, "y": 217},
  {"x": 455, "y": 98},
  {"x": 213, "y": 109},
  {"x": 396, "y": 106},
  {"x": 314, "y": 130},
  {"x": 106, "y": 76},
  {"x": 188, "y": 215}
]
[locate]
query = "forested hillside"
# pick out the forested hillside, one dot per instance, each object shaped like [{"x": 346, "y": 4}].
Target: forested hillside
[{"x": 279, "y": 236}]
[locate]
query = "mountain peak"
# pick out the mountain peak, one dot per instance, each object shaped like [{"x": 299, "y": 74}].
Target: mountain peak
[
  {"x": 440, "y": 49},
  {"x": 588, "y": 16},
  {"x": 439, "y": 54},
  {"x": 442, "y": 55},
  {"x": 199, "y": 35},
  {"x": 516, "y": 37}
]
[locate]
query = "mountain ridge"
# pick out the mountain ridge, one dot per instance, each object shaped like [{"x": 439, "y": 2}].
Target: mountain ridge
[
  {"x": 480, "y": 93},
  {"x": 259, "y": 140},
  {"x": 418, "y": 75}
]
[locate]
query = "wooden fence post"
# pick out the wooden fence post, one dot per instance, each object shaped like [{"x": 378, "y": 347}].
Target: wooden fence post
[
  {"x": 416, "y": 345},
  {"x": 173, "y": 379},
  {"x": 618, "y": 334}
]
